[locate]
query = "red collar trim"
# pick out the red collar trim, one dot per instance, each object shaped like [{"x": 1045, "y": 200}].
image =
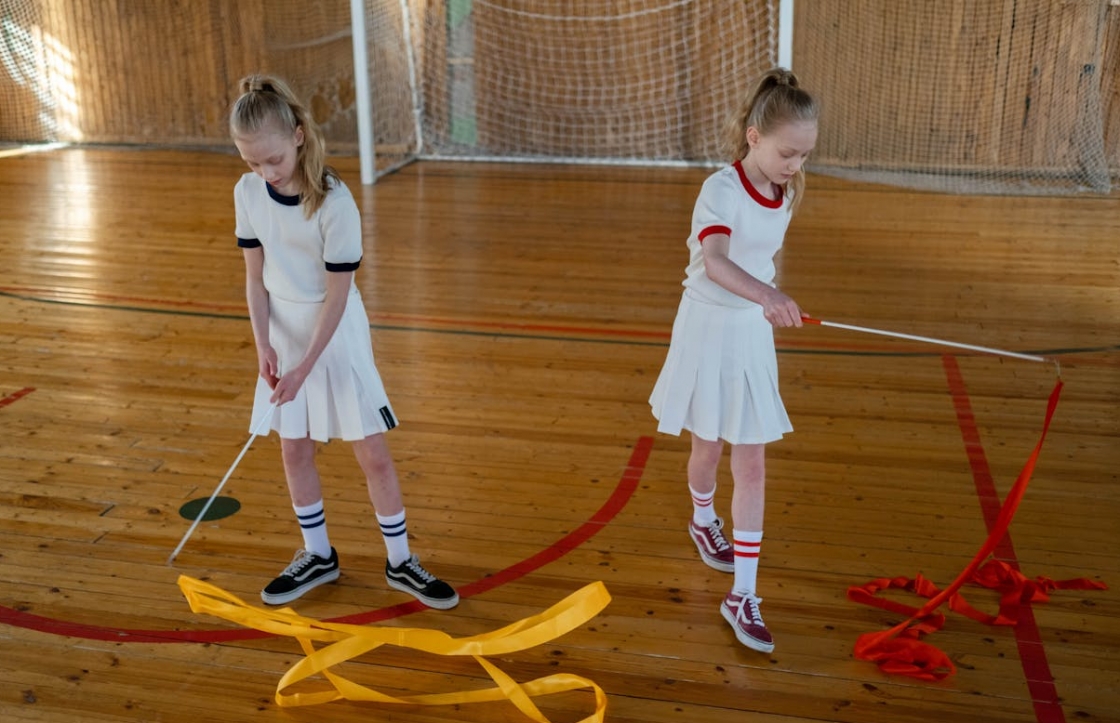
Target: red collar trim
[{"x": 758, "y": 197}]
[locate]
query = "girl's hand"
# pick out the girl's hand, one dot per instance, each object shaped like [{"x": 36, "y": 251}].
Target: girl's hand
[
  {"x": 267, "y": 366},
  {"x": 780, "y": 310},
  {"x": 288, "y": 386}
]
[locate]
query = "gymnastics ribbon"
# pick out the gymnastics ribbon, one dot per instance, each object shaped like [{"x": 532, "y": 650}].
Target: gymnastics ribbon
[
  {"x": 899, "y": 650},
  {"x": 344, "y": 642}
]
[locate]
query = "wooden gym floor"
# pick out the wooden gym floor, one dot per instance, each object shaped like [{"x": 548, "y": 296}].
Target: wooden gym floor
[{"x": 520, "y": 316}]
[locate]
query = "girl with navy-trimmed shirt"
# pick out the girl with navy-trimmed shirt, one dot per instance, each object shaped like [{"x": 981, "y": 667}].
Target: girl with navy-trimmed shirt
[{"x": 300, "y": 232}]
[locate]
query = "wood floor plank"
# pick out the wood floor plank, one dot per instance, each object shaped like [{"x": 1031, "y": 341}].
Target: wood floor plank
[{"x": 519, "y": 343}]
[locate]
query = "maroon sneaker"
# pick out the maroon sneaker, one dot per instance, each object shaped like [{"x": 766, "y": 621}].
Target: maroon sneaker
[
  {"x": 714, "y": 548},
  {"x": 741, "y": 610}
]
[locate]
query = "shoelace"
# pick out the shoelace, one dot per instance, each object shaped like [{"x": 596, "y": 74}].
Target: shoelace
[
  {"x": 748, "y": 608},
  {"x": 302, "y": 559},
  {"x": 415, "y": 567},
  {"x": 716, "y": 529}
]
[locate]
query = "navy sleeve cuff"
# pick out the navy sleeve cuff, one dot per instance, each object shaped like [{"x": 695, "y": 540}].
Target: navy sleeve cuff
[
  {"x": 351, "y": 266},
  {"x": 248, "y": 243}
]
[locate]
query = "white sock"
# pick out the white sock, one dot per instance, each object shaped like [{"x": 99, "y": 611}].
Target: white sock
[
  {"x": 747, "y": 547},
  {"x": 313, "y": 525},
  {"x": 395, "y": 534},
  {"x": 703, "y": 512}
]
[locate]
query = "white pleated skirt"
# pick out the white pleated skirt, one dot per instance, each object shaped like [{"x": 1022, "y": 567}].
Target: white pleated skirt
[
  {"x": 343, "y": 396},
  {"x": 720, "y": 378}
]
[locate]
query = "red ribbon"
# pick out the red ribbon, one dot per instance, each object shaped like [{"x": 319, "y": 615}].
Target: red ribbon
[{"x": 899, "y": 650}]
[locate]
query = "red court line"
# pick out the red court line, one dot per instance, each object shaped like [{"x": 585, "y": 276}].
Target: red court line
[
  {"x": 1032, "y": 654},
  {"x": 75, "y": 297},
  {"x": 16, "y": 396},
  {"x": 623, "y": 491}
]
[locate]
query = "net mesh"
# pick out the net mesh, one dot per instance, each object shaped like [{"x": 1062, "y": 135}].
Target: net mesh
[
  {"x": 995, "y": 97},
  {"x": 1008, "y": 96},
  {"x": 129, "y": 72},
  {"x": 580, "y": 80}
]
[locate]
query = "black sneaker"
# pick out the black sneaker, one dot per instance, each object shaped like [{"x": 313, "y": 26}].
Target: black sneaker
[
  {"x": 306, "y": 571},
  {"x": 411, "y": 577}
]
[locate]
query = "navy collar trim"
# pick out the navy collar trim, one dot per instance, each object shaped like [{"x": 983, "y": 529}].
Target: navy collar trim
[{"x": 279, "y": 197}]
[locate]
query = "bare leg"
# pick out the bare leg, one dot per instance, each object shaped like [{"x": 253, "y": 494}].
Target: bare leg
[
  {"x": 304, "y": 484},
  {"x": 740, "y": 607},
  {"x": 381, "y": 475},
  {"x": 317, "y": 562},
  {"x": 748, "y": 469},
  {"x": 402, "y": 570},
  {"x": 703, "y": 464},
  {"x": 705, "y": 526}
]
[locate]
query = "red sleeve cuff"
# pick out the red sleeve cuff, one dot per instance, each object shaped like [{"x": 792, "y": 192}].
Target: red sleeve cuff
[{"x": 709, "y": 230}]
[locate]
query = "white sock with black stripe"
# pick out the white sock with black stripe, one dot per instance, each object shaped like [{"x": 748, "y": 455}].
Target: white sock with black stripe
[
  {"x": 395, "y": 534},
  {"x": 313, "y": 525}
]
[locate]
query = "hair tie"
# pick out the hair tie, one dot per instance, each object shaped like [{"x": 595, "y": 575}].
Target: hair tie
[{"x": 259, "y": 85}]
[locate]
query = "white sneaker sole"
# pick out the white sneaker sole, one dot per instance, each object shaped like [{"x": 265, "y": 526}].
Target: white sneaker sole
[
  {"x": 712, "y": 562},
  {"x": 298, "y": 592},
  {"x": 437, "y": 603},
  {"x": 715, "y": 563}
]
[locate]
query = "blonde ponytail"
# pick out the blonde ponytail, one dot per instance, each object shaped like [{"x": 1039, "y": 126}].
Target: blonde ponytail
[
  {"x": 267, "y": 102},
  {"x": 777, "y": 98}
]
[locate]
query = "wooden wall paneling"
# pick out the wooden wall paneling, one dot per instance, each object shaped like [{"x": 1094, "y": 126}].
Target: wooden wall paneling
[{"x": 972, "y": 86}]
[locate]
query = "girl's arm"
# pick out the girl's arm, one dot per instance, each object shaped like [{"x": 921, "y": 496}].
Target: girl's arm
[
  {"x": 257, "y": 297},
  {"x": 779, "y": 309},
  {"x": 338, "y": 290}
]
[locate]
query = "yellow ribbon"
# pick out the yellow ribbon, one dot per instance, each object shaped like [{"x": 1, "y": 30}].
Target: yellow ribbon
[{"x": 345, "y": 642}]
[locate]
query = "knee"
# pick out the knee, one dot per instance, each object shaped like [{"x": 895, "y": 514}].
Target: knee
[
  {"x": 748, "y": 464},
  {"x": 380, "y": 467},
  {"x": 376, "y": 461},
  {"x": 297, "y": 453},
  {"x": 705, "y": 455}
]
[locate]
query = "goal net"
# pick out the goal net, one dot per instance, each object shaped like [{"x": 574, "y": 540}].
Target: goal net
[
  {"x": 1001, "y": 96},
  {"x": 1007, "y": 96},
  {"x": 563, "y": 80}
]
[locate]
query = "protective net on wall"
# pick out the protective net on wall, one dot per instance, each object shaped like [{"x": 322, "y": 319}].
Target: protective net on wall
[
  {"x": 1008, "y": 96},
  {"x": 119, "y": 71},
  {"x": 30, "y": 71},
  {"x": 580, "y": 80}
]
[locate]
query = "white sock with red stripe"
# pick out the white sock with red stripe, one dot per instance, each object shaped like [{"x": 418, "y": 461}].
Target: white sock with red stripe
[
  {"x": 747, "y": 547},
  {"x": 703, "y": 512}
]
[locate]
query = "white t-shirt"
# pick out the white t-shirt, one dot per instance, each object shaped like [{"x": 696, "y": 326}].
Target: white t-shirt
[
  {"x": 298, "y": 251},
  {"x": 729, "y": 204}
]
